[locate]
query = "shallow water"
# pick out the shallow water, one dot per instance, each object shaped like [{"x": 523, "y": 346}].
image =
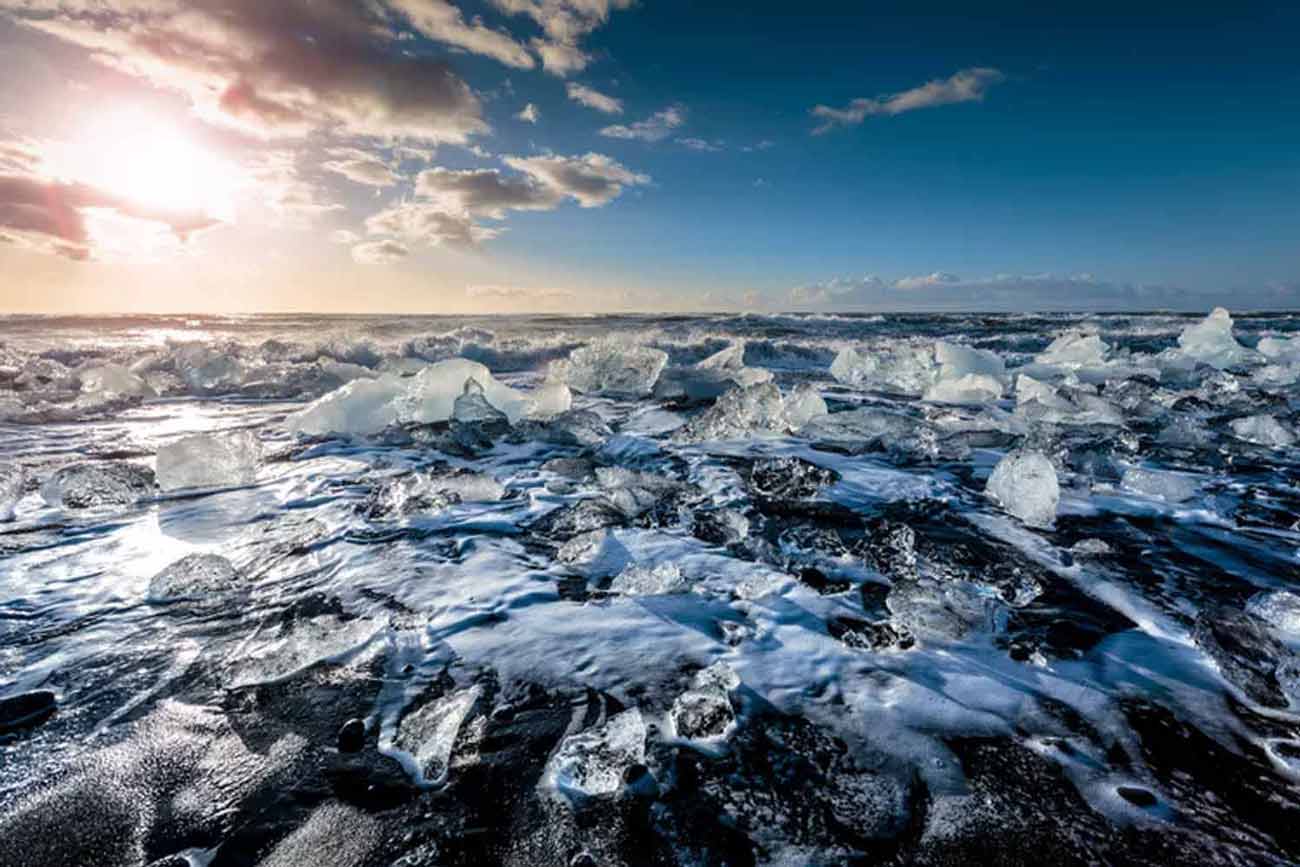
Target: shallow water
[{"x": 913, "y": 673}]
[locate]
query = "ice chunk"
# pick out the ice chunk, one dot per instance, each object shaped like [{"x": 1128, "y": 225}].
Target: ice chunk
[
  {"x": 13, "y": 482},
  {"x": 98, "y": 485},
  {"x": 428, "y": 734},
  {"x": 592, "y": 762},
  {"x": 946, "y": 610},
  {"x": 45, "y": 375},
  {"x": 738, "y": 413},
  {"x": 611, "y": 367},
  {"x": 1173, "y": 487},
  {"x": 472, "y": 407},
  {"x": 1024, "y": 483},
  {"x": 208, "y": 371},
  {"x": 197, "y": 577},
  {"x": 1263, "y": 430},
  {"x": 957, "y": 361},
  {"x": 1029, "y": 389},
  {"x": 576, "y": 427},
  {"x": 1280, "y": 609},
  {"x": 549, "y": 400},
  {"x": 1184, "y": 431},
  {"x": 704, "y": 711},
  {"x": 634, "y": 493},
  {"x": 1281, "y": 350},
  {"x": 803, "y": 405},
  {"x": 363, "y": 406},
  {"x": 712, "y": 376},
  {"x": 220, "y": 460},
  {"x": 971, "y": 388},
  {"x": 113, "y": 380},
  {"x": 905, "y": 368},
  {"x": 303, "y": 640},
  {"x": 657, "y": 580},
  {"x": 422, "y": 494},
  {"x": 470, "y": 487},
  {"x": 1244, "y": 651},
  {"x": 1210, "y": 341},
  {"x": 431, "y": 394},
  {"x": 1074, "y": 350}
]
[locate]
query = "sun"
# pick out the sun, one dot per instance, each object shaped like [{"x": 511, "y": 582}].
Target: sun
[{"x": 150, "y": 164}]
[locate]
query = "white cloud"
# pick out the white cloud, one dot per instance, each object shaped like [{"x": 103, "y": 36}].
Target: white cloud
[
  {"x": 484, "y": 192},
  {"x": 968, "y": 85},
  {"x": 430, "y": 225},
  {"x": 584, "y": 95},
  {"x": 361, "y": 167},
  {"x": 655, "y": 128},
  {"x": 699, "y": 144},
  {"x": 347, "y": 237},
  {"x": 566, "y": 23},
  {"x": 529, "y": 114},
  {"x": 592, "y": 180},
  {"x": 443, "y": 22},
  {"x": 386, "y": 252}
]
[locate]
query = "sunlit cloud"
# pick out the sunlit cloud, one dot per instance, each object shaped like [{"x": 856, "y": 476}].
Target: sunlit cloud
[
  {"x": 968, "y": 85},
  {"x": 361, "y": 167},
  {"x": 657, "y": 127},
  {"x": 593, "y": 99},
  {"x": 443, "y": 22},
  {"x": 529, "y": 114},
  {"x": 566, "y": 23},
  {"x": 385, "y": 252}
]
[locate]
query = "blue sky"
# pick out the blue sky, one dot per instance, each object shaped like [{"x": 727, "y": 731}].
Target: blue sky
[{"x": 1022, "y": 157}]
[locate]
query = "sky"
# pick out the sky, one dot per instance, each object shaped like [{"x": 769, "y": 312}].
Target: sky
[{"x": 436, "y": 156}]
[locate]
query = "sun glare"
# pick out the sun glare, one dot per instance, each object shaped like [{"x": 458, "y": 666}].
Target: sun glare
[{"x": 151, "y": 164}]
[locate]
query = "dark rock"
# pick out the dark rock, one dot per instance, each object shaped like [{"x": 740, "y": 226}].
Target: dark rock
[
  {"x": 817, "y": 580},
  {"x": 1136, "y": 796},
  {"x": 789, "y": 479},
  {"x": 1245, "y": 652},
  {"x": 27, "y": 710},
  {"x": 352, "y": 736}
]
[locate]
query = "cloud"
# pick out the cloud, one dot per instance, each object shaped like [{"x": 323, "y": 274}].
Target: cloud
[
  {"x": 517, "y": 295},
  {"x": 443, "y": 22},
  {"x": 346, "y": 237},
  {"x": 529, "y": 114},
  {"x": 941, "y": 291},
  {"x": 450, "y": 203},
  {"x": 584, "y": 95},
  {"x": 968, "y": 85},
  {"x": 566, "y": 23},
  {"x": 361, "y": 167},
  {"x": 592, "y": 180},
  {"x": 70, "y": 219},
  {"x": 657, "y": 127},
  {"x": 274, "y": 68},
  {"x": 294, "y": 202},
  {"x": 384, "y": 252},
  {"x": 699, "y": 144}
]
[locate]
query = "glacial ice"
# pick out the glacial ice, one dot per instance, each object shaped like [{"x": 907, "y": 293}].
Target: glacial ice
[
  {"x": 611, "y": 367},
  {"x": 1280, "y": 350},
  {"x": 1024, "y": 483},
  {"x": 711, "y": 377},
  {"x": 196, "y": 577},
  {"x": 1172, "y": 487},
  {"x": 98, "y": 485},
  {"x": 367, "y": 406},
  {"x": 576, "y": 427},
  {"x": 1210, "y": 341},
  {"x": 218, "y": 460},
  {"x": 1280, "y": 609},
  {"x": 970, "y": 388},
  {"x": 113, "y": 380},
  {"x": 904, "y": 368},
  {"x": 428, "y": 734},
  {"x": 421, "y": 493},
  {"x": 472, "y": 407},
  {"x": 659, "y": 579},
  {"x": 704, "y": 711},
  {"x": 804, "y": 404},
  {"x": 1264, "y": 430},
  {"x": 957, "y": 360},
  {"x": 738, "y": 413},
  {"x": 592, "y": 762},
  {"x": 207, "y": 370},
  {"x": 13, "y": 482},
  {"x": 1074, "y": 350},
  {"x": 549, "y": 400},
  {"x": 632, "y": 492}
]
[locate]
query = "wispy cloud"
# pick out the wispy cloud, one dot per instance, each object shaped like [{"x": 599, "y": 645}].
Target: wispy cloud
[
  {"x": 385, "y": 252},
  {"x": 529, "y": 114},
  {"x": 699, "y": 144},
  {"x": 657, "y": 127},
  {"x": 565, "y": 24},
  {"x": 968, "y": 85},
  {"x": 361, "y": 167},
  {"x": 591, "y": 98}
]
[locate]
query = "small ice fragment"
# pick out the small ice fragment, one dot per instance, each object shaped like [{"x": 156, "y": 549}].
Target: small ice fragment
[
  {"x": 1173, "y": 487},
  {"x": 634, "y": 493},
  {"x": 1029, "y": 389},
  {"x": 1280, "y": 349},
  {"x": 220, "y": 460},
  {"x": 704, "y": 711},
  {"x": 1280, "y": 609},
  {"x": 208, "y": 371},
  {"x": 711, "y": 377},
  {"x": 470, "y": 487},
  {"x": 904, "y": 368},
  {"x": 13, "y": 481},
  {"x": 98, "y": 485},
  {"x": 429, "y": 734},
  {"x": 957, "y": 361},
  {"x": 1246, "y": 654},
  {"x": 1024, "y": 483},
  {"x": 1263, "y": 430},
  {"x": 198, "y": 577},
  {"x": 592, "y": 762},
  {"x": 658, "y": 580},
  {"x": 1090, "y": 548},
  {"x": 576, "y": 427},
  {"x": 1210, "y": 341},
  {"x": 803, "y": 405},
  {"x": 613, "y": 368}
]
